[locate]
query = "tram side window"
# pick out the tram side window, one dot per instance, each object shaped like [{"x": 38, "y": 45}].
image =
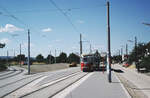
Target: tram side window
[{"x": 85, "y": 59}]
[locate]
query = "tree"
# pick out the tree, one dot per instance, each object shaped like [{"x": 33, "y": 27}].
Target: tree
[
  {"x": 141, "y": 56},
  {"x": 117, "y": 58},
  {"x": 2, "y": 45},
  {"x": 50, "y": 59},
  {"x": 97, "y": 54},
  {"x": 20, "y": 57},
  {"x": 73, "y": 58},
  {"x": 2, "y": 63},
  {"x": 137, "y": 53},
  {"x": 63, "y": 57},
  {"x": 39, "y": 58}
]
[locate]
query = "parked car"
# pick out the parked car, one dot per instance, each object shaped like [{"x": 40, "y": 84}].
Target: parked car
[
  {"x": 125, "y": 64},
  {"x": 26, "y": 63},
  {"x": 73, "y": 64}
]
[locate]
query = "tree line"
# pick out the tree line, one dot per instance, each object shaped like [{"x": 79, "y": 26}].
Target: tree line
[
  {"x": 50, "y": 59},
  {"x": 62, "y": 58},
  {"x": 140, "y": 55}
]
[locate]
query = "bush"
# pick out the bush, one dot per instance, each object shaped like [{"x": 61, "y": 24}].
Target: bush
[
  {"x": 2, "y": 66},
  {"x": 144, "y": 63}
]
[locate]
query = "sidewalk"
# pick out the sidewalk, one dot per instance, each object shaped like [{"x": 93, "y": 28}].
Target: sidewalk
[
  {"x": 96, "y": 86},
  {"x": 141, "y": 81}
]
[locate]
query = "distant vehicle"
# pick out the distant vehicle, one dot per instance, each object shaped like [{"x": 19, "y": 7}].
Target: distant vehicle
[
  {"x": 26, "y": 63},
  {"x": 73, "y": 64},
  {"x": 125, "y": 64},
  {"x": 89, "y": 62}
]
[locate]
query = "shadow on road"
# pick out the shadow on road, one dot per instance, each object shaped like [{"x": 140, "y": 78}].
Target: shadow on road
[
  {"x": 141, "y": 88},
  {"x": 118, "y": 70},
  {"x": 143, "y": 71},
  {"x": 115, "y": 82}
]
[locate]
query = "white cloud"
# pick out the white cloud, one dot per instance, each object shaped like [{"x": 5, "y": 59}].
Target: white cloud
[
  {"x": 5, "y": 40},
  {"x": 10, "y": 28},
  {"x": 47, "y": 30},
  {"x": 80, "y": 21}
]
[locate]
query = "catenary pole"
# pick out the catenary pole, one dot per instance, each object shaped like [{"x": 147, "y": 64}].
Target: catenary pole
[
  {"x": 80, "y": 45},
  {"x": 28, "y": 52},
  {"x": 20, "y": 55},
  {"x": 108, "y": 50}
]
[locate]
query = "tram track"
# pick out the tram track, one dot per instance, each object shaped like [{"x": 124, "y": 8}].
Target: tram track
[
  {"x": 73, "y": 77},
  {"x": 8, "y": 72},
  {"x": 15, "y": 82},
  {"x": 12, "y": 83},
  {"x": 66, "y": 86},
  {"x": 19, "y": 87},
  {"x": 11, "y": 75},
  {"x": 23, "y": 79}
]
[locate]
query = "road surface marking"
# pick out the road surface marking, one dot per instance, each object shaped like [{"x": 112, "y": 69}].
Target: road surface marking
[{"x": 69, "y": 89}]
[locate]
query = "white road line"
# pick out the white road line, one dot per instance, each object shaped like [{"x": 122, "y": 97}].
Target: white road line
[{"x": 69, "y": 89}]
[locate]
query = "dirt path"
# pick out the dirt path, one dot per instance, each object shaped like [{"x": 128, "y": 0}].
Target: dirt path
[{"x": 47, "y": 67}]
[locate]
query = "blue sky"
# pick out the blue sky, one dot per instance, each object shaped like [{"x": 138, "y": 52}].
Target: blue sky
[{"x": 51, "y": 30}]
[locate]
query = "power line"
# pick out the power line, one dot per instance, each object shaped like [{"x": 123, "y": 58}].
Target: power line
[
  {"x": 13, "y": 16},
  {"x": 17, "y": 19},
  {"x": 41, "y": 10},
  {"x": 47, "y": 10},
  {"x": 67, "y": 17}
]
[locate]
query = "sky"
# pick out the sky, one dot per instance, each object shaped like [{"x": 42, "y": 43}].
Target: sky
[{"x": 52, "y": 29}]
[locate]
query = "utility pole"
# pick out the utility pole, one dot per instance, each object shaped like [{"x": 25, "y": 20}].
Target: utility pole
[
  {"x": 7, "y": 57},
  {"x": 121, "y": 54},
  {"x": 109, "y": 50},
  {"x": 135, "y": 42},
  {"x": 90, "y": 48},
  {"x": 136, "y": 54},
  {"x": 136, "y": 49},
  {"x": 80, "y": 45},
  {"x": 55, "y": 55},
  {"x": 126, "y": 49},
  {"x": 20, "y": 55},
  {"x": 121, "y": 51},
  {"x": 28, "y": 52},
  {"x": 14, "y": 53},
  {"x": 50, "y": 58}
]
